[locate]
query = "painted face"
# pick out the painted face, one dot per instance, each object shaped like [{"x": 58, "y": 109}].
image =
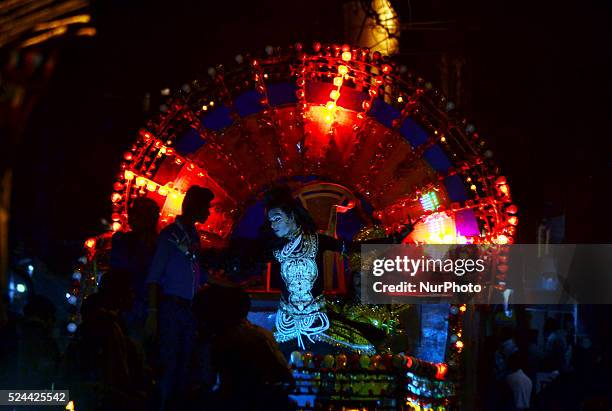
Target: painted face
[{"x": 281, "y": 223}]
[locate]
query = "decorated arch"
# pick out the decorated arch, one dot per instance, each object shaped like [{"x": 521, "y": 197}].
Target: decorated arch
[{"x": 335, "y": 115}]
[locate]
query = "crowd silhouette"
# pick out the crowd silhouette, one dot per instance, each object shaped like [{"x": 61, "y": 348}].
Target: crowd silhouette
[{"x": 157, "y": 335}]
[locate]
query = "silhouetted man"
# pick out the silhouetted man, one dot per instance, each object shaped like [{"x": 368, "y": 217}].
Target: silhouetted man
[
  {"x": 174, "y": 278},
  {"x": 252, "y": 372},
  {"x": 132, "y": 253}
]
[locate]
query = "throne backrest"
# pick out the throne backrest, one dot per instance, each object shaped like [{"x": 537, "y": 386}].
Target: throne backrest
[{"x": 324, "y": 201}]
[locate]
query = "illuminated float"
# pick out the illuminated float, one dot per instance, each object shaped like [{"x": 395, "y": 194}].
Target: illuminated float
[{"x": 364, "y": 144}]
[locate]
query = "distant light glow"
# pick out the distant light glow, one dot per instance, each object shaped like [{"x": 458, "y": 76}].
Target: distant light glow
[
  {"x": 378, "y": 36},
  {"x": 87, "y": 31},
  {"x": 21, "y": 288},
  {"x": 81, "y": 18},
  {"x": 45, "y": 36},
  {"x": 501, "y": 239},
  {"x": 438, "y": 228},
  {"x": 429, "y": 201},
  {"x": 441, "y": 370}
]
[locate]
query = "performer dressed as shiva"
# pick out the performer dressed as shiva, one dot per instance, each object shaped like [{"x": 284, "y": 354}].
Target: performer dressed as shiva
[{"x": 299, "y": 250}]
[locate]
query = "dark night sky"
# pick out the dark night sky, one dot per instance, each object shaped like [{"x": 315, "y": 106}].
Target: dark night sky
[{"x": 538, "y": 81}]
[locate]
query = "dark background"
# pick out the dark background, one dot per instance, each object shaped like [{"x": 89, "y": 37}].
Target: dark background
[{"x": 537, "y": 83}]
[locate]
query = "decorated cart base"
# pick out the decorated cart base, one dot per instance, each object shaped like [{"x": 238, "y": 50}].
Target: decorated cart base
[
  {"x": 381, "y": 382},
  {"x": 337, "y": 376}
]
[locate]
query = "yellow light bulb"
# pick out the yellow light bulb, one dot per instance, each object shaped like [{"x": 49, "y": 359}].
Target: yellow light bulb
[
  {"x": 330, "y": 105},
  {"x": 342, "y": 70},
  {"x": 141, "y": 181},
  {"x": 346, "y": 56},
  {"x": 337, "y": 81},
  {"x": 151, "y": 186},
  {"x": 334, "y": 95},
  {"x": 128, "y": 175}
]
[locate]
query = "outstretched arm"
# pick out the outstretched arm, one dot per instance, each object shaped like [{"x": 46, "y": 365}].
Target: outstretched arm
[
  {"x": 242, "y": 262},
  {"x": 327, "y": 243}
]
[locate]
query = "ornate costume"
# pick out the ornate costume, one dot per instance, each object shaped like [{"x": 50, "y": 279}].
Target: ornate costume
[{"x": 300, "y": 314}]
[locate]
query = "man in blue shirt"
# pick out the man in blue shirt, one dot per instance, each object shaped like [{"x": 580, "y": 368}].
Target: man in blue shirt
[{"x": 174, "y": 278}]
